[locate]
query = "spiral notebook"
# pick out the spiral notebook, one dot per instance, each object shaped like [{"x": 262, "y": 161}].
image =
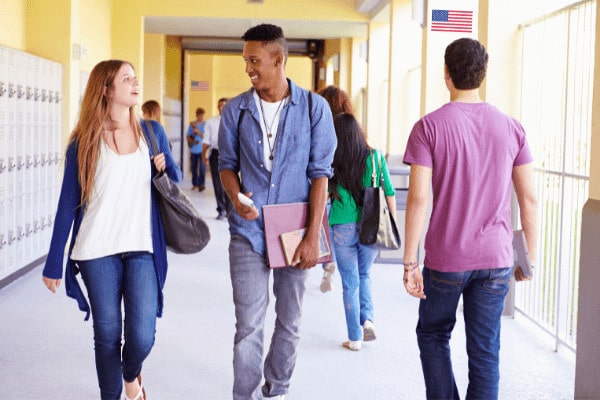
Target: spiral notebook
[
  {"x": 291, "y": 240},
  {"x": 284, "y": 218}
]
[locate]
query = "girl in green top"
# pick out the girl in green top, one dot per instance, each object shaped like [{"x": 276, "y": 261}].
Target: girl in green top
[{"x": 351, "y": 174}]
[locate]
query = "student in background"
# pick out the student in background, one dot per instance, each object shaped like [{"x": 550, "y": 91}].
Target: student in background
[
  {"x": 339, "y": 102},
  {"x": 151, "y": 110},
  {"x": 109, "y": 209},
  {"x": 195, "y": 137},
  {"x": 210, "y": 156},
  {"x": 352, "y": 171}
]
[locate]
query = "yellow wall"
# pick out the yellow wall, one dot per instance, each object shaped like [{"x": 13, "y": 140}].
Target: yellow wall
[
  {"x": 173, "y": 67},
  {"x": 95, "y": 17},
  {"x": 343, "y": 10},
  {"x": 154, "y": 67},
  {"x": 12, "y": 32}
]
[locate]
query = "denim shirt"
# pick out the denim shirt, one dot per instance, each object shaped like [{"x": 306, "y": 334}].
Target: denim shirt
[{"x": 304, "y": 149}]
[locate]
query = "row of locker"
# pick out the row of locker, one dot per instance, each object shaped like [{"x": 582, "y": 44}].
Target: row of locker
[{"x": 30, "y": 156}]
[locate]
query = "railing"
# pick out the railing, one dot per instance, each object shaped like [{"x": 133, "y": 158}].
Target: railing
[{"x": 556, "y": 111}]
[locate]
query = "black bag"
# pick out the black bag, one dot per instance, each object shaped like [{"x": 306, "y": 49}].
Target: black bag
[
  {"x": 185, "y": 230},
  {"x": 377, "y": 225}
]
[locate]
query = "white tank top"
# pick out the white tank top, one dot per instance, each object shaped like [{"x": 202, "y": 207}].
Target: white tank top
[{"x": 118, "y": 217}]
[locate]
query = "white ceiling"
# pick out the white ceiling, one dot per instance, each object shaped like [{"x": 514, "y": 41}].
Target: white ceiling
[{"x": 235, "y": 28}]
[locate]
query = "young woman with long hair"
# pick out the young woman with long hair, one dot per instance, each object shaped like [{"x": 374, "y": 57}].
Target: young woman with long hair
[
  {"x": 352, "y": 169},
  {"x": 117, "y": 241}
]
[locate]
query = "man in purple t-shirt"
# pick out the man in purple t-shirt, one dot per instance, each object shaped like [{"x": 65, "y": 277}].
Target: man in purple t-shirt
[{"x": 471, "y": 155}]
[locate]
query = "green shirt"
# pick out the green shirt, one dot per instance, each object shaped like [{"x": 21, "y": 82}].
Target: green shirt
[{"x": 345, "y": 210}]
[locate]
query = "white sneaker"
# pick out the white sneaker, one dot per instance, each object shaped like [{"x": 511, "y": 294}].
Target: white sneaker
[
  {"x": 353, "y": 345},
  {"x": 326, "y": 285},
  {"x": 278, "y": 397},
  {"x": 368, "y": 331}
]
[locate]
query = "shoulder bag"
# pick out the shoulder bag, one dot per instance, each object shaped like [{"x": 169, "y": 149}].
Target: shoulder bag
[
  {"x": 185, "y": 230},
  {"x": 377, "y": 225}
]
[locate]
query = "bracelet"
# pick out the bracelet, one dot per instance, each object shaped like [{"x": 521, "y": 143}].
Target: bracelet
[{"x": 411, "y": 266}]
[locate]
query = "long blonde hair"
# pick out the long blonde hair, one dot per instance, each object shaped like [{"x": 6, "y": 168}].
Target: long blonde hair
[{"x": 91, "y": 122}]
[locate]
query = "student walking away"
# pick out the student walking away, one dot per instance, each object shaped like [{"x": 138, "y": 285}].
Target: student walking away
[
  {"x": 210, "y": 157},
  {"x": 195, "y": 138},
  {"x": 353, "y": 166},
  {"x": 472, "y": 155},
  {"x": 276, "y": 145},
  {"x": 117, "y": 243},
  {"x": 151, "y": 110},
  {"x": 339, "y": 102}
]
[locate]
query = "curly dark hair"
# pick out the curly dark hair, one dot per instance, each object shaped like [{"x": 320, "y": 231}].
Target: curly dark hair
[
  {"x": 349, "y": 159},
  {"x": 269, "y": 34},
  {"x": 466, "y": 60}
]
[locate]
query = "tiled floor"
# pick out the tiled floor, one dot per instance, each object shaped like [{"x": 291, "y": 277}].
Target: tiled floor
[{"x": 46, "y": 350}]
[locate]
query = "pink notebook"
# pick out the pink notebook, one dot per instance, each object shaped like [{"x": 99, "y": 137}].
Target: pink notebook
[{"x": 284, "y": 218}]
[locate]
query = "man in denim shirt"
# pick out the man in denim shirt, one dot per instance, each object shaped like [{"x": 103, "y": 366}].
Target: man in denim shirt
[{"x": 276, "y": 145}]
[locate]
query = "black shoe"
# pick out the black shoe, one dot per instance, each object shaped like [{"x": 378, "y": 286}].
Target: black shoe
[{"x": 201, "y": 188}]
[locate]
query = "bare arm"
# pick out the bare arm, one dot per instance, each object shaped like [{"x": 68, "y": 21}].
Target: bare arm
[
  {"x": 416, "y": 208},
  {"x": 522, "y": 177},
  {"x": 391, "y": 203}
]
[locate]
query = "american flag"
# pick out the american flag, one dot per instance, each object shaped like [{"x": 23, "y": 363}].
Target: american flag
[
  {"x": 200, "y": 85},
  {"x": 451, "y": 21}
]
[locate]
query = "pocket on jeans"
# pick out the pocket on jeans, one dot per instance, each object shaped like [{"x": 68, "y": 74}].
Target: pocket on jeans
[
  {"x": 446, "y": 282},
  {"x": 499, "y": 280}
]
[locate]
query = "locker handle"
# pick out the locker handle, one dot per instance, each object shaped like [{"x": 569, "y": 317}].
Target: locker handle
[
  {"x": 2, "y": 164},
  {"x": 2, "y": 89},
  {"x": 29, "y": 93},
  {"x": 3, "y": 241},
  {"x": 20, "y": 91},
  {"x": 11, "y": 90}
]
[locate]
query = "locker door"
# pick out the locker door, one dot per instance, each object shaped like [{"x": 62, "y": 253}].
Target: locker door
[
  {"x": 11, "y": 225},
  {"x": 3, "y": 161}
]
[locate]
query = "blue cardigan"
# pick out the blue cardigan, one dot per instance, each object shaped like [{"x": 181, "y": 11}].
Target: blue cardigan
[{"x": 70, "y": 213}]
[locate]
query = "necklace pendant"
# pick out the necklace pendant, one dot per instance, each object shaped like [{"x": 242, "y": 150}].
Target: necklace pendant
[
  {"x": 271, "y": 157},
  {"x": 270, "y": 135}
]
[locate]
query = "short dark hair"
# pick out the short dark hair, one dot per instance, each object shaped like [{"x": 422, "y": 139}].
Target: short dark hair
[
  {"x": 466, "y": 60},
  {"x": 199, "y": 110},
  {"x": 267, "y": 33}
]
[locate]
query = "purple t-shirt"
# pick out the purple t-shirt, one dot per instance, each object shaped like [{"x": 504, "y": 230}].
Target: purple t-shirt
[{"x": 472, "y": 149}]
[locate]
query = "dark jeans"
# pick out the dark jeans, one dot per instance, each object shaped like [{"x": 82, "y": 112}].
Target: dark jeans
[
  {"x": 483, "y": 293},
  {"x": 198, "y": 169},
  {"x": 223, "y": 202},
  {"x": 129, "y": 278}
]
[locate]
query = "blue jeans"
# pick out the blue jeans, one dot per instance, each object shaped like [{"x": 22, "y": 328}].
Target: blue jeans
[
  {"x": 483, "y": 293},
  {"x": 130, "y": 278},
  {"x": 354, "y": 261},
  {"x": 198, "y": 169},
  {"x": 250, "y": 281}
]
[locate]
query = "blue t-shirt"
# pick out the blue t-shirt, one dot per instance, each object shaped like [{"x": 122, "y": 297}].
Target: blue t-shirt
[{"x": 196, "y": 148}]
